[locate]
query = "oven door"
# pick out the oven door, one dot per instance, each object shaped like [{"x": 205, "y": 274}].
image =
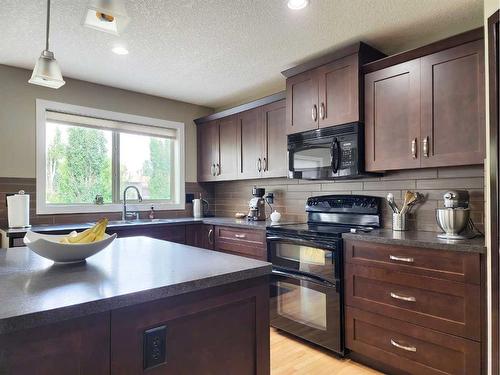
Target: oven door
[
  {"x": 314, "y": 257},
  {"x": 307, "y": 307}
]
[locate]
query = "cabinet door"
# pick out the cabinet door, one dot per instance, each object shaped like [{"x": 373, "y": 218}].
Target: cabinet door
[
  {"x": 208, "y": 145},
  {"x": 200, "y": 235},
  {"x": 275, "y": 145},
  {"x": 250, "y": 143},
  {"x": 302, "y": 102},
  {"x": 339, "y": 92},
  {"x": 392, "y": 117},
  {"x": 227, "y": 161},
  {"x": 453, "y": 106}
]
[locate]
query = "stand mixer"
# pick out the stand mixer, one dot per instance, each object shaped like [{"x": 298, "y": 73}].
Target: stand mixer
[
  {"x": 257, "y": 205},
  {"x": 454, "y": 218}
]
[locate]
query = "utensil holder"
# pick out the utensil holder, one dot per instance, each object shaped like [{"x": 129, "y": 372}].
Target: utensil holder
[{"x": 399, "y": 222}]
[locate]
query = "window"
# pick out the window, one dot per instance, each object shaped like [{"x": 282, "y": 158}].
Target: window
[{"x": 87, "y": 157}]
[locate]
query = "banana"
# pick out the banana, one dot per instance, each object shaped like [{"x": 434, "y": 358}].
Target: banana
[{"x": 96, "y": 233}]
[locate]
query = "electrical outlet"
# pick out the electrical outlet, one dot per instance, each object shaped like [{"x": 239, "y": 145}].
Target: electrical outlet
[
  {"x": 189, "y": 197},
  {"x": 154, "y": 347}
]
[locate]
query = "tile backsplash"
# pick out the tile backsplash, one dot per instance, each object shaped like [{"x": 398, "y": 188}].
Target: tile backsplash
[
  {"x": 13, "y": 185},
  {"x": 290, "y": 195}
]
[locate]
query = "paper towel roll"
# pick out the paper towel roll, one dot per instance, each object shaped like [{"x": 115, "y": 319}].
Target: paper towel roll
[{"x": 18, "y": 210}]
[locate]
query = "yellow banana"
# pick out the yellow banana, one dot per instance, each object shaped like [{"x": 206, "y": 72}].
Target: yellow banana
[{"x": 96, "y": 233}]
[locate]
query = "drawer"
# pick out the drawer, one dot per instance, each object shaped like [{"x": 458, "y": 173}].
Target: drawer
[
  {"x": 443, "y": 305},
  {"x": 410, "y": 348},
  {"x": 456, "y": 266},
  {"x": 246, "y": 242}
]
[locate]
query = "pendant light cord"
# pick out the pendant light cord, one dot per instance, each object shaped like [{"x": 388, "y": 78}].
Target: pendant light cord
[{"x": 47, "y": 27}]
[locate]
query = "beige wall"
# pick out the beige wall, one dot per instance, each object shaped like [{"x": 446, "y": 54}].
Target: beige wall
[
  {"x": 17, "y": 115},
  {"x": 490, "y": 6}
]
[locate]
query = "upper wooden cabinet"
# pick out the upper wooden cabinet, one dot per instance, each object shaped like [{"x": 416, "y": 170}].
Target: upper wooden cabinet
[
  {"x": 217, "y": 150},
  {"x": 326, "y": 91},
  {"x": 429, "y": 111},
  {"x": 244, "y": 145},
  {"x": 453, "y": 107}
]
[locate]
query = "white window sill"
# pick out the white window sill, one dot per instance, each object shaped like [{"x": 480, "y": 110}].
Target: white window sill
[{"x": 81, "y": 209}]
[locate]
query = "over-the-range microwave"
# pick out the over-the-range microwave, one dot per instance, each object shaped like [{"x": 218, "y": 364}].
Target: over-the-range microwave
[{"x": 336, "y": 152}]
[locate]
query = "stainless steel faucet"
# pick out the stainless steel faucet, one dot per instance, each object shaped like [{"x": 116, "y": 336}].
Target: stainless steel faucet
[{"x": 125, "y": 214}]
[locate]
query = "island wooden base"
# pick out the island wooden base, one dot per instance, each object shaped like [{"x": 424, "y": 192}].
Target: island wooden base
[{"x": 222, "y": 330}]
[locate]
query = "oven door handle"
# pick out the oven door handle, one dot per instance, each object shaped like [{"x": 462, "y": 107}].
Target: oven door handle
[
  {"x": 301, "y": 242},
  {"x": 303, "y": 277}
]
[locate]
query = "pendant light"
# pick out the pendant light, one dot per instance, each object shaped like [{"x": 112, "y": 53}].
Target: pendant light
[{"x": 47, "y": 72}]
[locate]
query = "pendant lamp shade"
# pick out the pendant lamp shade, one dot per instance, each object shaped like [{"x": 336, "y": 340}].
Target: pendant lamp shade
[{"x": 47, "y": 72}]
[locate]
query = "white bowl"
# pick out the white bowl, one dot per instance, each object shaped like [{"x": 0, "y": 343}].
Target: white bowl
[{"x": 48, "y": 246}]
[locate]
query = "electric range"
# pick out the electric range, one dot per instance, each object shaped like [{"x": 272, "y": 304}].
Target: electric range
[{"x": 306, "y": 283}]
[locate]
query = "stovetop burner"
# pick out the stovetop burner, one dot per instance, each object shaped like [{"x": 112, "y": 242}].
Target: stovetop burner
[{"x": 317, "y": 229}]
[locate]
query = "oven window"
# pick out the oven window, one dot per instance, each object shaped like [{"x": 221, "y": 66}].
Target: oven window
[
  {"x": 302, "y": 254},
  {"x": 301, "y": 304},
  {"x": 312, "y": 158}
]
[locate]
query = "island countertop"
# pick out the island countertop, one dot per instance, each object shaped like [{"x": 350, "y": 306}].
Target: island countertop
[{"x": 35, "y": 291}]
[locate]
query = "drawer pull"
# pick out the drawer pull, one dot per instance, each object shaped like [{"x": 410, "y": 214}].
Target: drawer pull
[
  {"x": 403, "y": 298},
  {"x": 403, "y": 347},
  {"x": 401, "y": 259},
  {"x": 240, "y": 235}
]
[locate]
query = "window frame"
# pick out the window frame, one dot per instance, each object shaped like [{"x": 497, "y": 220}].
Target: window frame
[{"x": 178, "y": 188}]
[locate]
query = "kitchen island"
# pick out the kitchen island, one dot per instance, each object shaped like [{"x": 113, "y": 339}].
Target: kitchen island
[{"x": 139, "y": 305}]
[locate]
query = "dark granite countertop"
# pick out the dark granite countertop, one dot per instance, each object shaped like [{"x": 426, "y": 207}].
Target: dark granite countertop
[
  {"x": 227, "y": 221},
  {"x": 35, "y": 291},
  {"x": 419, "y": 239}
]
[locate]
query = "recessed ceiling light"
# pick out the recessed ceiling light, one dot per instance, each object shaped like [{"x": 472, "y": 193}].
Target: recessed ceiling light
[
  {"x": 297, "y": 4},
  {"x": 106, "y": 15},
  {"x": 120, "y": 50}
]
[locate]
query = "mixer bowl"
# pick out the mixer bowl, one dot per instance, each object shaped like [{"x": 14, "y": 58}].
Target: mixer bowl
[{"x": 452, "y": 220}]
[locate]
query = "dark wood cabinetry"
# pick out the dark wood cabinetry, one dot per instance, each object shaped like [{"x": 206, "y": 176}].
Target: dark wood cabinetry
[
  {"x": 428, "y": 111},
  {"x": 239, "y": 241},
  {"x": 200, "y": 235},
  {"x": 248, "y": 144},
  {"x": 172, "y": 233},
  {"x": 414, "y": 310},
  {"x": 326, "y": 91}
]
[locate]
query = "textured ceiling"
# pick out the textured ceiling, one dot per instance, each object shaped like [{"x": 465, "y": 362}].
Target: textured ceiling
[{"x": 220, "y": 52}]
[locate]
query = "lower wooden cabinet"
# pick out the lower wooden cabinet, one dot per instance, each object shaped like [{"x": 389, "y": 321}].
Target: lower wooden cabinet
[
  {"x": 410, "y": 348},
  {"x": 77, "y": 346},
  {"x": 200, "y": 235},
  {"x": 240, "y": 241},
  {"x": 172, "y": 233},
  {"x": 414, "y": 311}
]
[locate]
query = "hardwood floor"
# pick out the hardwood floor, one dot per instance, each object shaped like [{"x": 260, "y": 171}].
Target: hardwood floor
[{"x": 291, "y": 356}]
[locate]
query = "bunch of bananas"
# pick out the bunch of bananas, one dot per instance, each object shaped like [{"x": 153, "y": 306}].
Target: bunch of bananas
[{"x": 94, "y": 234}]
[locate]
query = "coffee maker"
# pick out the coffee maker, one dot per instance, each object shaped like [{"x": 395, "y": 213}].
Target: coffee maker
[{"x": 257, "y": 205}]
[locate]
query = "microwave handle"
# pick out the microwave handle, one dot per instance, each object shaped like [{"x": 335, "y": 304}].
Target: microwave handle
[
  {"x": 298, "y": 276},
  {"x": 335, "y": 155}
]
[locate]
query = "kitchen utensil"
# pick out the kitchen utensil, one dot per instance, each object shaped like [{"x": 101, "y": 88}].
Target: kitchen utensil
[
  {"x": 409, "y": 199},
  {"x": 399, "y": 221},
  {"x": 48, "y": 246},
  {"x": 18, "y": 210},
  {"x": 199, "y": 207},
  {"x": 392, "y": 203}
]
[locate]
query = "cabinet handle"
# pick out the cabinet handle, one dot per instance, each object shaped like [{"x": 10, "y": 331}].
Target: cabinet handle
[
  {"x": 414, "y": 148},
  {"x": 210, "y": 237},
  {"x": 217, "y": 169},
  {"x": 265, "y": 164},
  {"x": 314, "y": 113},
  {"x": 259, "y": 165},
  {"x": 403, "y": 298},
  {"x": 403, "y": 347},
  {"x": 401, "y": 259},
  {"x": 322, "y": 112},
  {"x": 240, "y": 235},
  {"x": 425, "y": 147},
  {"x": 212, "y": 169}
]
